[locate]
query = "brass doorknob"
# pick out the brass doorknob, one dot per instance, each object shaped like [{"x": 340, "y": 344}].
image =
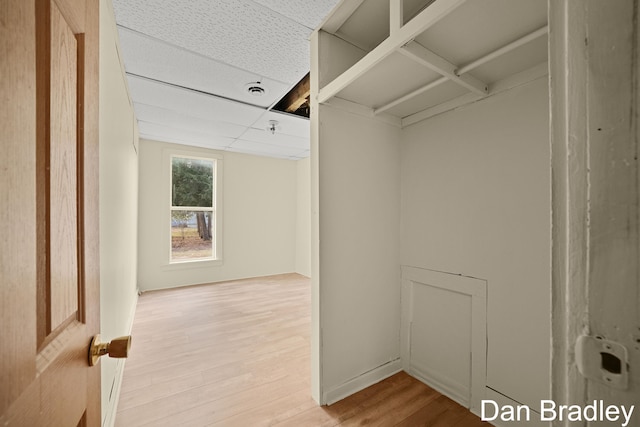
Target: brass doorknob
[{"x": 118, "y": 347}]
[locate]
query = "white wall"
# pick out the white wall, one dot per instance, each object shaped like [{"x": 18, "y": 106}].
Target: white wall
[
  {"x": 359, "y": 274},
  {"x": 259, "y": 219},
  {"x": 303, "y": 218},
  {"x": 118, "y": 206},
  {"x": 476, "y": 202}
]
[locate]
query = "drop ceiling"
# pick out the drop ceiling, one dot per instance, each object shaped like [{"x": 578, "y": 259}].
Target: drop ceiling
[{"x": 188, "y": 64}]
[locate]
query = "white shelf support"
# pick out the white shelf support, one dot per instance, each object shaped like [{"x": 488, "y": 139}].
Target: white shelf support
[
  {"x": 505, "y": 49},
  {"x": 396, "y": 16},
  {"x": 507, "y": 83},
  {"x": 410, "y": 95},
  {"x": 333, "y": 23},
  {"x": 472, "y": 65},
  {"x": 424, "y": 56},
  {"x": 409, "y": 31}
]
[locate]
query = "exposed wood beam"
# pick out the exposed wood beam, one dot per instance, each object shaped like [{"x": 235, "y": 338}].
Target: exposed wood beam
[
  {"x": 297, "y": 96},
  {"x": 409, "y": 31},
  {"x": 466, "y": 68},
  {"x": 424, "y": 56},
  {"x": 296, "y": 101}
]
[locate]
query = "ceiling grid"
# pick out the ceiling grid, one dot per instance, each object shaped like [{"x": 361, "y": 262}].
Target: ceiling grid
[{"x": 189, "y": 65}]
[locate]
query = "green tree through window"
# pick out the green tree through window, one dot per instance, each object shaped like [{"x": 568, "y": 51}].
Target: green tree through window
[{"x": 192, "y": 208}]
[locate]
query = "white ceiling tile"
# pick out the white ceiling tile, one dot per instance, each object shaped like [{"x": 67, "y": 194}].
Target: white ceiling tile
[
  {"x": 158, "y": 60},
  {"x": 241, "y": 145},
  {"x": 192, "y": 103},
  {"x": 288, "y": 124},
  {"x": 164, "y": 133},
  {"x": 171, "y": 118},
  {"x": 259, "y": 153},
  {"x": 188, "y": 65},
  {"x": 308, "y": 13},
  {"x": 240, "y": 33},
  {"x": 277, "y": 139}
]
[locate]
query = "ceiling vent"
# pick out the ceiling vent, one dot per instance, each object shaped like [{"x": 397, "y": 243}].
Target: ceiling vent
[{"x": 255, "y": 89}]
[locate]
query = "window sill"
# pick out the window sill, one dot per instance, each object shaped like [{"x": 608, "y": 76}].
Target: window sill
[{"x": 188, "y": 265}]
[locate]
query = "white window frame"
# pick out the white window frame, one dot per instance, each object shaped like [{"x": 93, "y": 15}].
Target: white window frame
[{"x": 217, "y": 208}]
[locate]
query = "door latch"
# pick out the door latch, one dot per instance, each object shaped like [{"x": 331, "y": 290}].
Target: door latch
[{"x": 603, "y": 361}]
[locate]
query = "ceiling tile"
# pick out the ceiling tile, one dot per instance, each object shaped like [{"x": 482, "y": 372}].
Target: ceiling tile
[
  {"x": 288, "y": 124},
  {"x": 308, "y": 13},
  {"x": 277, "y": 139},
  {"x": 188, "y": 64},
  {"x": 259, "y": 148},
  {"x": 158, "y": 60},
  {"x": 171, "y": 118},
  {"x": 164, "y": 133},
  {"x": 192, "y": 103},
  {"x": 270, "y": 44}
]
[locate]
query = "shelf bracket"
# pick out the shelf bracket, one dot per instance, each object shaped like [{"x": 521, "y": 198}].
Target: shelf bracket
[
  {"x": 424, "y": 56},
  {"x": 391, "y": 44},
  {"x": 475, "y": 64},
  {"x": 396, "y": 15},
  {"x": 410, "y": 95}
]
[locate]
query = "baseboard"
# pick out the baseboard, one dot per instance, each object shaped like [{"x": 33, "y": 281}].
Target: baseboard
[
  {"x": 456, "y": 392},
  {"x": 109, "y": 413},
  {"x": 361, "y": 382}
]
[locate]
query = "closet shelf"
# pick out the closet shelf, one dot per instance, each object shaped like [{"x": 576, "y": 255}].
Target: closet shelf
[{"x": 435, "y": 54}]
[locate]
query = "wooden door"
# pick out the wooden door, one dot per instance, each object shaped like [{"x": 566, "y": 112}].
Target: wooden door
[{"x": 49, "y": 273}]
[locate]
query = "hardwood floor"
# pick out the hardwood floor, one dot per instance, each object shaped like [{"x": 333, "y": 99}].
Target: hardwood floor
[{"x": 238, "y": 354}]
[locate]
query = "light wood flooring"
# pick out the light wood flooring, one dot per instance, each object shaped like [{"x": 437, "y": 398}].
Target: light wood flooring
[{"x": 238, "y": 354}]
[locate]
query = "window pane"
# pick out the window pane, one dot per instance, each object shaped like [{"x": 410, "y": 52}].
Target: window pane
[
  {"x": 192, "y": 182},
  {"x": 192, "y": 235}
]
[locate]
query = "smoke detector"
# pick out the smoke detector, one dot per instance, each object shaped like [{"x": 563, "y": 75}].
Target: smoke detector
[{"x": 255, "y": 89}]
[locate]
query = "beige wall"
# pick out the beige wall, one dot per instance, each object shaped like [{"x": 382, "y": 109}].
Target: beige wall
[
  {"x": 359, "y": 263},
  {"x": 476, "y": 202},
  {"x": 303, "y": 218},
  {"x": 118, "y": 206},
  {"x": 259, "y": 219}
]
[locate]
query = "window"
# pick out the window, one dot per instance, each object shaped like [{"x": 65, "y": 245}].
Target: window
[{"x": 194, "y": 222}]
